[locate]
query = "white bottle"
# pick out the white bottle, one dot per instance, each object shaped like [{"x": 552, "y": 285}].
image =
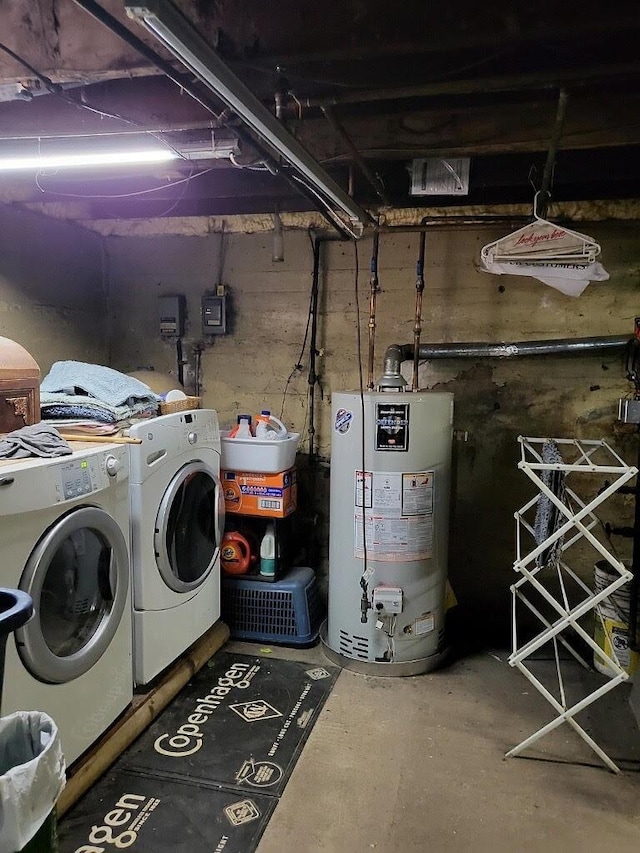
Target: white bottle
[
  {"x": 268, "y": 551},
  {"x": 244, "y": 427},
  {"x": 269, "y": 427},
  {"x": 264, "y": 430}
]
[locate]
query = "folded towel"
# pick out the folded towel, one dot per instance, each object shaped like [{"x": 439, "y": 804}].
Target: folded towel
[
  {"x": 94, "y": 380},
  {"x": 35, "y": 440},
  {"x": 79, "y": 406}
]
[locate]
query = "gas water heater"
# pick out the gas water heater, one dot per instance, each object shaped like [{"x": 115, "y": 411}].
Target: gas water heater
[{"x": 388, "y": 539}]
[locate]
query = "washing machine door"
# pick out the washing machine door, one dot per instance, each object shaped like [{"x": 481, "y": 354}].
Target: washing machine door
[
  {"x": 189, "y": 527},
  {"x": 78, "y": 578}
]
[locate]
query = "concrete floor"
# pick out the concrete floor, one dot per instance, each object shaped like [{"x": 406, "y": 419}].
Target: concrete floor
[{"x": 416, "y": 764}]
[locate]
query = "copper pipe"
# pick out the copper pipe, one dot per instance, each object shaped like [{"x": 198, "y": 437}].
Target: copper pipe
[
  {"x": 417, "y": 327},
  {"x": 373, "y": 292}
]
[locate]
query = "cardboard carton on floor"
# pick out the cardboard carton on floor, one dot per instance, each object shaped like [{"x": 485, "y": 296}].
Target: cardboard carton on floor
[{"x": 267, "y": 495}]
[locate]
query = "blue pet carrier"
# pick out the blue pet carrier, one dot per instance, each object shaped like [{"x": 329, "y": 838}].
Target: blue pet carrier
[{"x": 286, "y": 611}]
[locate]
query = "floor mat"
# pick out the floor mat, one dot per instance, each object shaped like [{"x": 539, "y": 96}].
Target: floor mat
[{"x": 207, "y": 774}]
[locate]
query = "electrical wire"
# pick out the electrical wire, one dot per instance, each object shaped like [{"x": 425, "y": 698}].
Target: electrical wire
[
  {"x": 256, "y": 166},
  {"x": 181, "y": 195},
  {"x": 364, "y": 584},
  {"x": 298, "y": 365},
  {"x": 82, "y": 105},
  {"x": 57, "y": 90},
  {"x": 222, "y": 256},
  {"x": 49, "y": 84},
  {"x": 327, "y": 211},
  {"x": 390, "y": 634},
  {"x": 159, "y": 188}
]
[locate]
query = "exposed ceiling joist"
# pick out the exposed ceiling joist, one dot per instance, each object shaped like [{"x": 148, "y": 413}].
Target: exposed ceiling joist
[{"x": 402, "y": 82}]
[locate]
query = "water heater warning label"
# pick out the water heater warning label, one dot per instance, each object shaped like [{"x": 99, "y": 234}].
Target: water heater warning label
[{"x": 398, "y": 515}]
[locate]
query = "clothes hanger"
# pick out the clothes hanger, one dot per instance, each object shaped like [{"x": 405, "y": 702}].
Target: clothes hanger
[{"x": 541, "y": 241}]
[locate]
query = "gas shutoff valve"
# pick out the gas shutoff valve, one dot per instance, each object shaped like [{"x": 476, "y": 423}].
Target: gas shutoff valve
[{"x": 387, "y": 599}]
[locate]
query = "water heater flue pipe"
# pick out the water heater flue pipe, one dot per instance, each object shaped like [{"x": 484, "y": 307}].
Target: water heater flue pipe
[{"x": 392, "y": 379}]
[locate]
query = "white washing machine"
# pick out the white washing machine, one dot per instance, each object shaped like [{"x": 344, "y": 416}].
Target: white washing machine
[
  {"x": 64, "y": 539},
  {"x": 177, "y": 522}
]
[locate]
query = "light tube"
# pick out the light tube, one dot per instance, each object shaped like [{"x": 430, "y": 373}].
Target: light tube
[
  {"x": 107, "y": 158},
  {"x": 181, "y": 38}
]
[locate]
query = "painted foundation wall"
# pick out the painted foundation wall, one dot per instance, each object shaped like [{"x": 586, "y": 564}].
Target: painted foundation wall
[
  {"x": 52, "y": 296},
  {"x": 495, "y": 400}
]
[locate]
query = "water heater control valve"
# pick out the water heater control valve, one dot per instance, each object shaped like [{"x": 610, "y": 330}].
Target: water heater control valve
[{"x": 387, "y": 599}]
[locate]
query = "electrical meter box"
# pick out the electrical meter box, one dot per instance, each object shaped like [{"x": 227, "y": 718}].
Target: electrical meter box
[
  {"x": 171, "y": 313},
  {"x": 214, "y": 313}
]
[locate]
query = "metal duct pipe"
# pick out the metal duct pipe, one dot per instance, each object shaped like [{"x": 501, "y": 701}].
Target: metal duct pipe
[{"x": 392, "y": 379}]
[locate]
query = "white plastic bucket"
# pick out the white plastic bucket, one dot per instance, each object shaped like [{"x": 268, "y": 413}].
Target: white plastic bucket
[
  {"x": 258, "y": 456},
  {"x": 611, "y": 632}
]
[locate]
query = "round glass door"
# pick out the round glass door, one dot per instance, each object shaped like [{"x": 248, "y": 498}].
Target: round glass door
[
  {"x": 189, "y": 527},
  {"x": 78, "y": 577}
]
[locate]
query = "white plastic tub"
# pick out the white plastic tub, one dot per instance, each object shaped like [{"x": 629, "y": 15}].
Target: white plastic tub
[{"x": 257, "y": 456}]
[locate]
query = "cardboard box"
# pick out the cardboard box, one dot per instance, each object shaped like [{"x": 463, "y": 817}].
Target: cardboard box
[{"x": 267, "y": 495}]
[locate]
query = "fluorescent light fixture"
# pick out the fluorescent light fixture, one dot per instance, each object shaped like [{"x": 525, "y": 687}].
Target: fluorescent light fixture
[
  {"x": 106, "y": 158},
  {"x": 181, "y": 38}
]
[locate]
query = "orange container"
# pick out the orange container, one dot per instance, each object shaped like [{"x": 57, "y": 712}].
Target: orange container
[
  {"x": 235, "y": 553},
  {"x": 266, "y": 495}
]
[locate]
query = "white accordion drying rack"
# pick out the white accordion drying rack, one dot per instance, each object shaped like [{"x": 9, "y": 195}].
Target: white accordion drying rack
[{"x": 593, "y": 457}]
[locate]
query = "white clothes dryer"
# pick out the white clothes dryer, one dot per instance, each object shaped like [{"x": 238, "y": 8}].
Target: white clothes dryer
[
  {"x": 64, "y": 539},
  {"x": 177, "y": 522}
]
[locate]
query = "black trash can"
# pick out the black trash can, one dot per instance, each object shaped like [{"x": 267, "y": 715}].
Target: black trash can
[{"x": 31, "y": 762}]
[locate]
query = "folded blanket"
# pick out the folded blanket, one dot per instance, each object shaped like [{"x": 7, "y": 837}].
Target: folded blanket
[
  {"x": 34, "y": 440},
  {"x": 77, "y": 378}
]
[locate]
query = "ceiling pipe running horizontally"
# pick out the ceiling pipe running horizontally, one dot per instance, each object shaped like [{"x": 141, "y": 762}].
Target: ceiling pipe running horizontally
[{"x": 396, "y": 354}]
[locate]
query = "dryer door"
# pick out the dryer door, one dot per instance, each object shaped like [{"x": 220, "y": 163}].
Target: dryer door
[
  {"x": 189, "y": 527},
  {"x": 78, "y": 577}
]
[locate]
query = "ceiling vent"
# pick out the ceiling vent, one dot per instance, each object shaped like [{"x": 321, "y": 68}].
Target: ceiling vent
[{"x": 439, "y": 176}]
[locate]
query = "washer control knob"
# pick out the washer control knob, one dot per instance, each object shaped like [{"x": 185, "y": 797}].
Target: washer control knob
[
  {"x": 113, "y": 465},
  {"x": 192, "y": 438}
]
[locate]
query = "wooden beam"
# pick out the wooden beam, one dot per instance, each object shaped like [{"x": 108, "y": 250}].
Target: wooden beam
[
  {"x": 593, "y": 121},
  {"x": 549, "y": 79}
]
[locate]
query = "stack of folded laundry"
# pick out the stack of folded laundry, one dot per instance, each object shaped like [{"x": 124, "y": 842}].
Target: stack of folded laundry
[{"x": 91, "y": 399}]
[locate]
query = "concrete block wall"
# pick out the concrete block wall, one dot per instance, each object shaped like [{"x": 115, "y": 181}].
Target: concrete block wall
[
  {"x": 52, "y": 288},
  {"x": 495, "y": 400}
]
